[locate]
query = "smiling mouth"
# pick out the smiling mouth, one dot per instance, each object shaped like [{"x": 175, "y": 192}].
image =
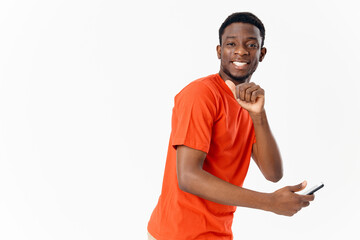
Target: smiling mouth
[{"x": 240, "y": 65}]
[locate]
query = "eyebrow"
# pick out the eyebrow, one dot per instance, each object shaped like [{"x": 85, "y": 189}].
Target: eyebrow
[{"x": 249, "y": 38}]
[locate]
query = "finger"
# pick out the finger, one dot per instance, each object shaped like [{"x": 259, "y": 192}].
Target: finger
[
  {"x": 309, "y": 197},
  {"x": 250, "y": 91},
  {"x": 256, "y": 94},
  {"x": 232, "y": 87},
  {"x": 298, "y": 187},
  {"x": 241, "y": 88},
  {"x": 305, "y": 204}
]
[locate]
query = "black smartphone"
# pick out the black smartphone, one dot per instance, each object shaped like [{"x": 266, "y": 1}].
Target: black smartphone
[{"x": 314, "y": 189}]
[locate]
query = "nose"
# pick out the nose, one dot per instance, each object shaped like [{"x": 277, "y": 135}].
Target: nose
[{"x": 241, "y": 50}]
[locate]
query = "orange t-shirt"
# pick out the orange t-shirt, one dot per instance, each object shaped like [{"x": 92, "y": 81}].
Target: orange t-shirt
[{"x": 206, "y": 117}]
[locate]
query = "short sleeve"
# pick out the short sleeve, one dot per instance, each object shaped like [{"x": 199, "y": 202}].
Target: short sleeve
[{"x": 193, "y": 117}]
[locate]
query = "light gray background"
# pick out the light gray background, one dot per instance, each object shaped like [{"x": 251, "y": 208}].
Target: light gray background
[{"x": 86, "y": 92}]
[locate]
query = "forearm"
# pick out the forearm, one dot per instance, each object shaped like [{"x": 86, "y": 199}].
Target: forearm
[
  {"x": 266, "y": 152},
  {"x": 284, "y": 201},
  {"x": 210, "y": 187}
]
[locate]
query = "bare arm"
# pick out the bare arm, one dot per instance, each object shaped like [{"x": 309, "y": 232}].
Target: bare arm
[
  {"x": 193, "y": 179},
  {"x": 265, "y": 151}
]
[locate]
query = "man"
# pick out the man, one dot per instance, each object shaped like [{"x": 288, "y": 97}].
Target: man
[{"x": 218, "y": 124}]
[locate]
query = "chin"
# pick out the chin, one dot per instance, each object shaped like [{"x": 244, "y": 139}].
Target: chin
[{"x": 241, "y": 79}]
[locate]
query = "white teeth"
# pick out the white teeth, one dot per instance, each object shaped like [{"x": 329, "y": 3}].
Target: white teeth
[{"x": 239, "y": 63}]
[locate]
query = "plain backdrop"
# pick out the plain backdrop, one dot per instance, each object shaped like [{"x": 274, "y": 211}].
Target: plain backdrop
[{"x": 86, "y": 93}]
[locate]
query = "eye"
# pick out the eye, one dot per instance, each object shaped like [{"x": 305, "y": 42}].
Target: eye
[
  {"x": 230, "y": 44},
  {"x": 253, "y": 45}
]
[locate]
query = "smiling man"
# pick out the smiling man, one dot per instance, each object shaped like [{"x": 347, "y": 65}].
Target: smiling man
[{"x": 218, "y": 124}]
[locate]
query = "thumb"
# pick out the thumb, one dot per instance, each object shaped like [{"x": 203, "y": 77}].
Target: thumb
[
  {"x": 232, "y": 87},
  {"x": 298, "y": 187}
]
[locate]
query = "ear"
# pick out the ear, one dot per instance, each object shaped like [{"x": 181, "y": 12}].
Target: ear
[
  {"x": 262, "y": 54},
  {"x": 218, "y": 50}
]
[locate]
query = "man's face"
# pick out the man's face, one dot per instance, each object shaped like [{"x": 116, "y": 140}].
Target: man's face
[{"x": 240, "y": 52}]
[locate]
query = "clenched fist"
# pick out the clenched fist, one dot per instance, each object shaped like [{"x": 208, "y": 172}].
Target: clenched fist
[{"x": 249, "y": 95}]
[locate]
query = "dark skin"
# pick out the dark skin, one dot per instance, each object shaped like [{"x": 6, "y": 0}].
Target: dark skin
[{"x": 240, "y": 54}]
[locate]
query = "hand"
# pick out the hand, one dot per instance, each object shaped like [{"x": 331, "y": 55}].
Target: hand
[
  {"x": 286, "y": 202},
  {"x": 249, "y": 95}
]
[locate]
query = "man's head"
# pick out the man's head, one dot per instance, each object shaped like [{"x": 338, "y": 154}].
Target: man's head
[
  {"x": 244, "y": 17},
  {"x": 241, "y": 46}
]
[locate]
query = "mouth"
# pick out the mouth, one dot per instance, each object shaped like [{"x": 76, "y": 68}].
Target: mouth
[{"x": 239, "y": 65}]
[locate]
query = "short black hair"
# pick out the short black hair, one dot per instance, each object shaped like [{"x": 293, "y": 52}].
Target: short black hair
[{"x": 243, "y": 17}]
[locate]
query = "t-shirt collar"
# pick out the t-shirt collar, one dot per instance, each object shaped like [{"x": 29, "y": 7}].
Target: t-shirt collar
[{"x": 223, "y": 85}]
